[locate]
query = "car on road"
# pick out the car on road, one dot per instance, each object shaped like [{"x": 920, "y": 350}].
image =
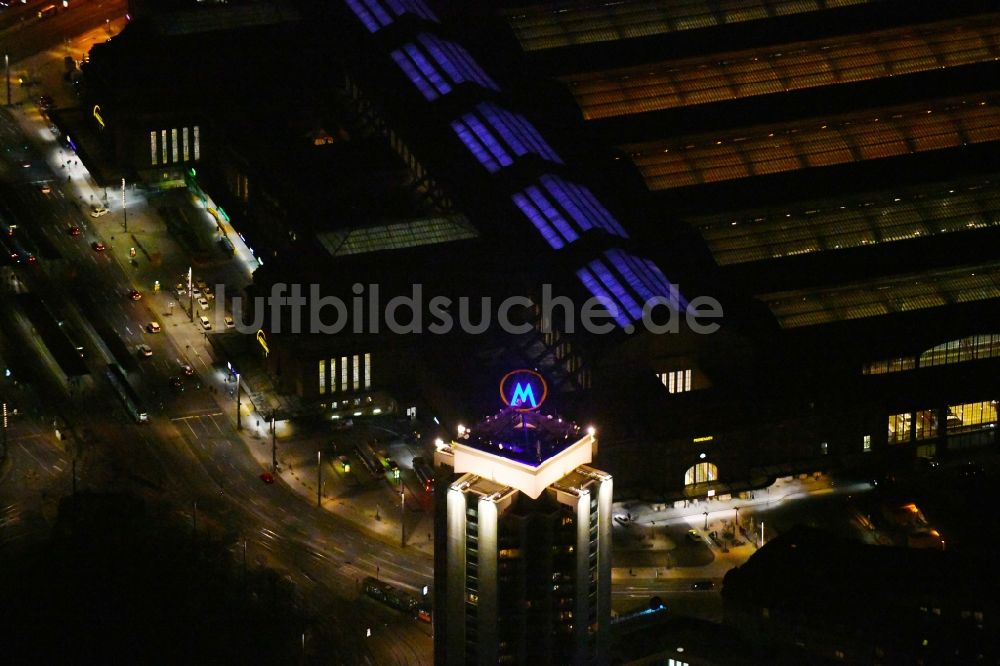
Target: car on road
[
  {"x": 267, "y": 477},
  {"x": 134, "y": 295},
  {"x": 73, "y": 230},
  {"x": 45, "y": 189},
  {"x": 177, "y": 384},
  {"x": 423, "y": 613},
  {"x": 195, "y": 291},
  {"x": 153, "y": 327},
  {"x": 98, "y": 246},
  {"x": 229, "y": 321},
  {"x": 187, "y": 369},
  {"x": 98, "y": 211},
  {"x": 205, "y": 323},
  {"x": 693, "y": 535},
  {"x": 45, "y": 102},
  {"x": 203, "y": 303},
  {"x": 703, "y": 585},
  {"x": 144, "y": 350},
  {"x": 345, "y": 463}
]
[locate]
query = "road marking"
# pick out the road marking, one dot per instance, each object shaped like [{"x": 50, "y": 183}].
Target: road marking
[
  {"x": 195, "y": 416},
  {"x": 32, "y": 456}
]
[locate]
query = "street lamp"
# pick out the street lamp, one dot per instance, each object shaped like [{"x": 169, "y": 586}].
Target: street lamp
[
  {"x": 736, "y": 525},
  {"x": 124, "y": 210},
  {"x": 706, "y": 519},
  {"x": 239, "y": 404},
  {"x": 402, "y": 518}
]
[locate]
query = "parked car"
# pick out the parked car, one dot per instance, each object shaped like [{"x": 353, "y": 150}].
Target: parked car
[
  {"x": 703, "y": 585},
  {"x": 98, "y": 211},
  {"x": 134, "y": 295},
  {"x": 187, "y": 369},
  {"x": 98, "y": 246},
  {"x": 229, "y": 321},
  {"x": 205, "y": 323},
  {"x": 203, "y": 303}
]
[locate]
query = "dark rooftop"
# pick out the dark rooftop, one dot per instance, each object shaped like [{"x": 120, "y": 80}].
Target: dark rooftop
[{"x": 530, "y": 438}]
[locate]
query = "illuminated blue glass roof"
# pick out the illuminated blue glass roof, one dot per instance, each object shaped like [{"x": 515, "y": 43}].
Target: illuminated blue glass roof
[
  {"x": 434, "y": 65},
  {"x": 495, "y": 136},
  {"x": 562, "y": 211},
  {"x": 624, "y": 283},
  {"x": 377, "y": 14}
]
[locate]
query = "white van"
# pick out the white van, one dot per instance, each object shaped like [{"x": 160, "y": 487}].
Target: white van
[{"x": 205, "y": 323}]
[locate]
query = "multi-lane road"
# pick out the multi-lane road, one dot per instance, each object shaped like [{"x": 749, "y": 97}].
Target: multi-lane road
[{"x": 189, "y": 453}]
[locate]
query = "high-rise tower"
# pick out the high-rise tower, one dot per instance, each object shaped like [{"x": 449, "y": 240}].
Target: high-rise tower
[{"x": 523, "y": 549}]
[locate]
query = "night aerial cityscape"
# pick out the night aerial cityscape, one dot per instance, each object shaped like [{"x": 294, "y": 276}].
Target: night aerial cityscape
[{"x": 451, "y": 332}]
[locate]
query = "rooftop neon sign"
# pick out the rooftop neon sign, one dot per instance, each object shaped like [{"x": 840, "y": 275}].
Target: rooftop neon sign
[{"x": 524, "y": 390}]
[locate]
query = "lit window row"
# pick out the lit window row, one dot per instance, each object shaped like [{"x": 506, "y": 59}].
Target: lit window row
[
  {"x": 435, "y": 65},
  {"x": 676, "y": 381},
  {"x": 924, "y": 424},
  {"x": 377, "y": 14},
  {"x": 163, "y": 148},
  {"x": 355, "y": 373},
  {"x": 972, "y": 348}
]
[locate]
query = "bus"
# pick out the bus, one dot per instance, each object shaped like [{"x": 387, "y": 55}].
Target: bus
[
  {"x": 425, "y": 474},
  {"x": 371, "y": 459},
  {"x": 389, "y": 595},
  {"x": 133, "y": 405}
]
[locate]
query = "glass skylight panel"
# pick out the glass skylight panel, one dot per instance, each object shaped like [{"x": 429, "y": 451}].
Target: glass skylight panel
[
  {"x": 593, "y": 285},
  {"x": 553, "y": 215},
  {"x": 403, "y": 235},
  {"x": 417, "y": 7},
  {"x": 428, "y": 69},
  {"x": 582, "y": 205},
  {"x": 501, "y": 132},
  {"x": 456, "y": 62},
  {"x": 621, "y": 294},
  {"x": 409, "y": 68},
  {"x": 535, "y": 216},
  {"x": 466, "y": 135},
  {"x": 373, "y": 19},
  {"x": 645, "y": 278},
  {"x": 377, "y": 14},
  {"x": 489, "y": 139}
]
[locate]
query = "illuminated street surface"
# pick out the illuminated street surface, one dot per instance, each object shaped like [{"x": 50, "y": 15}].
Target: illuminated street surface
[{"x": 189, "y": 452}]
